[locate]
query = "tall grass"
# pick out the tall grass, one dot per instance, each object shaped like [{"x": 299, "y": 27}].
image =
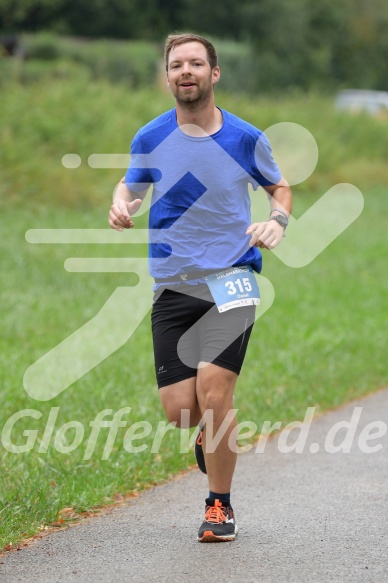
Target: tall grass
[{"x": 44, "y": 121}]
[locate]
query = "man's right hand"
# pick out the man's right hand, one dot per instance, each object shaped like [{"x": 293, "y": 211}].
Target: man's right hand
[{"x": 120, "y": 214}]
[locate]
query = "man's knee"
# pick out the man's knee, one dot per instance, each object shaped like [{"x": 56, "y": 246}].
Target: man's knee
[{"x": 215, "y": 387}]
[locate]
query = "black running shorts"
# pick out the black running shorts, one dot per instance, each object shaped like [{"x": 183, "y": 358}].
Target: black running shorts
[{"x": 187, "y": 329}]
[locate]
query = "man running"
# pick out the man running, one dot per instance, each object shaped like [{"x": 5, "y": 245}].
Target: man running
[{"x": 203, "y": 252}]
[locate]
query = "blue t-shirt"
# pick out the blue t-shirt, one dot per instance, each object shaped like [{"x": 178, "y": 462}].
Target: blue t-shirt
[{"x": 200, "y": 207}]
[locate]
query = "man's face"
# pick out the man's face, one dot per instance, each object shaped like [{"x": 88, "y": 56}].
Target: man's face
[{"x": 189, "y": 75}]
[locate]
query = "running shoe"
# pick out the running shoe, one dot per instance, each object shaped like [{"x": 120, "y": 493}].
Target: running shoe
[
  {"x": 219, "y": 524},
  {"x": 198, "y": 450}
]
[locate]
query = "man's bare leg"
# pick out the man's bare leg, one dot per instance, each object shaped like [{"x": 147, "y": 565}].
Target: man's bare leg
[
  {"x": 179, "y": 396},
  {"x": 215, "y": 387},
  {"x": 212, "y": 392}
]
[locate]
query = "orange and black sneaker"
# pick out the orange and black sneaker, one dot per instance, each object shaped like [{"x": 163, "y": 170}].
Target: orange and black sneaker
[
  {"x": 219, "y": 524},
  {"x": 198, "y": 451}
]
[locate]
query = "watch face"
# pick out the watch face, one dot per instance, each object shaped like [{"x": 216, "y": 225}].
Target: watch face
[{"x": 281, "y": 220}]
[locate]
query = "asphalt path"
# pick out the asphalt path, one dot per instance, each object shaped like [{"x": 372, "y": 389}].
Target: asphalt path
[{"x": 313, "y": 516}]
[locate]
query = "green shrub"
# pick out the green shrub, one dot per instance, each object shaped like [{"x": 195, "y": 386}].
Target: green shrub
[
  {"x": 235, "y": 60},
  {"x": 44, "y": 46},
  {"x": 133, "y": 63},
  {"x": 40, "y": 71},
  {"x": 136, "y": 63}
]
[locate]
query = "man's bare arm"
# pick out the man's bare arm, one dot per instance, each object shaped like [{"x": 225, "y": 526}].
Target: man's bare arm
[
  {"x": 280, "y": 196},
  {"x": 269, "y": 233}
]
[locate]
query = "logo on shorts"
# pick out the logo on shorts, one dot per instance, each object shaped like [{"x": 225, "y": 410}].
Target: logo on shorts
[
  {"x": 183, "y": 276},
  {"x": 161, "y": 369}
]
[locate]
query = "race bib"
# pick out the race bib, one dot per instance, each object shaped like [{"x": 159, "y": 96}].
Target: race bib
[{"x": 234, "y": 287}]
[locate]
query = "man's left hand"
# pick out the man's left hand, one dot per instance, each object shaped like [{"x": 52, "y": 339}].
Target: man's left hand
[{"x": 265, "y": 235}]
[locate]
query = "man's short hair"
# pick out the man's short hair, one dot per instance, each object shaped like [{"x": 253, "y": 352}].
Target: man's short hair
[{"x": 174, "y": 40}]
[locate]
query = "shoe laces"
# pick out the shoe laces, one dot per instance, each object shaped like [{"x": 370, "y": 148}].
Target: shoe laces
[{"x": 216, "y": 513}]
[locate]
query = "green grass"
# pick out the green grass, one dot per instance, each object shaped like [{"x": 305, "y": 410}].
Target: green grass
[{"x": 321, "y": 343}]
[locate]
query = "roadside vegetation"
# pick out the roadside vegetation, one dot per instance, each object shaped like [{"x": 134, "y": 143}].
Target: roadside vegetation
[{"x": 320, "y": 345}]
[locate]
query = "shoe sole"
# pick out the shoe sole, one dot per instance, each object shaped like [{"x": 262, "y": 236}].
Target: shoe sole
[
  {"x": 209, "y": 537},
  {"x": 200, "y": 458}
]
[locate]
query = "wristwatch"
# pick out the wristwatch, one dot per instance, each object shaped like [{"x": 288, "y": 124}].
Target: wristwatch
[{"x": 282, "y": 220}]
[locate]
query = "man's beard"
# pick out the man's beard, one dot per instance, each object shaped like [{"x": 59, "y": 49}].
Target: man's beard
[{"x": 194, "y": 102}]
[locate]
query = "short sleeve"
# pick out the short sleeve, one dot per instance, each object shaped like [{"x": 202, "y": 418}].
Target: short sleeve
[
  {"x": 138, "y": 176},
  {"x": 264, "y": 168}
]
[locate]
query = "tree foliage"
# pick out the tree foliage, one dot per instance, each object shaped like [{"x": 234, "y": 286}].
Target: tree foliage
[{"x": 301, "y": 43}]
